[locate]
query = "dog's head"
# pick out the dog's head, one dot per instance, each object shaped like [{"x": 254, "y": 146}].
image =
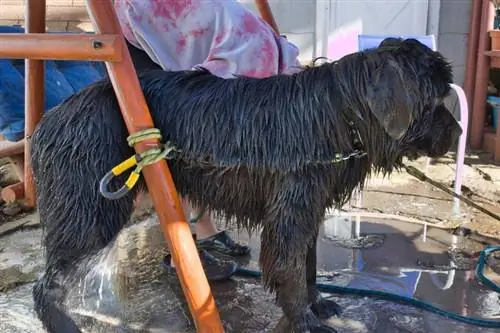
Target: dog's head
[{"x": 405, "y": 90}]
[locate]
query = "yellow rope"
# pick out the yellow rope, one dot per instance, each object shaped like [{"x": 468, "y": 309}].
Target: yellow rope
[{"x": 141, "y": 160}]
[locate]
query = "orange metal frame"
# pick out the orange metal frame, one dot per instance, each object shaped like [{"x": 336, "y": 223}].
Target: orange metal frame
[{"x": 109, "y": 45}]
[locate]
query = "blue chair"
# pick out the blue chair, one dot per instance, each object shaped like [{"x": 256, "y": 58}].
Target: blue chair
[{"x": 367, "y": 41}]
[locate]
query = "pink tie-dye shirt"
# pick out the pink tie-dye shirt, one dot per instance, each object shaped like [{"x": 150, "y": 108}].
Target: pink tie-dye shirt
[{"x": 220, "y": 35}]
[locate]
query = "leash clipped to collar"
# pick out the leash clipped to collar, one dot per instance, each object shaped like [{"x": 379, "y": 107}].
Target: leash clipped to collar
[
  {"x": 343, "y": 157},
  {"x": 147, "y": 157},
  {"x": 357, "y": 143}
]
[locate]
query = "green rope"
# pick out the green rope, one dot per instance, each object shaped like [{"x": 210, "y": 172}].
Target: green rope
[
  {"x": 148, "y": 157},
  {"x": 151, "y": 155}
]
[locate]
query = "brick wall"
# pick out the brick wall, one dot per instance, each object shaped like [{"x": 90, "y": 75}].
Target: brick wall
[{"x": 62, "y": 15}]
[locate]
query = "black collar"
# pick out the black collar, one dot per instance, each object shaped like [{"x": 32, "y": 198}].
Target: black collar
[{"x": 357, "y": 144}]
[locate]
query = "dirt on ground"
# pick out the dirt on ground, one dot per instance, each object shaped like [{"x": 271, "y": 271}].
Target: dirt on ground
[{"x": 407, "y": 196}]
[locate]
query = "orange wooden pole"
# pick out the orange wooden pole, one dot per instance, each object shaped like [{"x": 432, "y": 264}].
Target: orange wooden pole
[
  {"x": 481, "y": 84},
  {"x": 158, "y": 178},
  {"x": 60, "y": 46},
  {"x": 267, "y": 14},
  {"x": 34, "y": 93}
]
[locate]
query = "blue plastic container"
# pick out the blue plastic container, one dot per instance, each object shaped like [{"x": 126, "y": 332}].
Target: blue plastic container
[{"x": 495, "y": 103}]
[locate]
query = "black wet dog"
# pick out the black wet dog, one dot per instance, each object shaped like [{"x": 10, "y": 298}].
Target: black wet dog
[{"x": 272, "y": 153}]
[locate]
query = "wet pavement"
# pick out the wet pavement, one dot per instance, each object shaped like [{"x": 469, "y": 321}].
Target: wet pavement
[
  {"x": 387, "y": 255},
  {"x": 401, "y": 243},
  {"x": 405, "y": 196}
]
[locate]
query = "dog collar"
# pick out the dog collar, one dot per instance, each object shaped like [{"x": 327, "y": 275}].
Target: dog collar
[
  {"x": 357, "y": 144},
  {"x": 356, "y": 137}
]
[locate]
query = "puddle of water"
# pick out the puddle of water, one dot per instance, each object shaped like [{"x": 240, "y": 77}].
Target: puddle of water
[
  {"x": 394, "y": 257},
  {"x": 412, "y": 263},
  {"x": 401, "y": 258}
]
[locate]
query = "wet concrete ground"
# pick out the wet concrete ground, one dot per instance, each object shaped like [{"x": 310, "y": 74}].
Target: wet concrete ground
[
  {"x": 396, "y": 258},
  {"x": 406, "y": 196}
]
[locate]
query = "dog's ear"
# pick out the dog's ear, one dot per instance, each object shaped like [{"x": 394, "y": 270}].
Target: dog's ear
[{"x": 389, "y": 98}]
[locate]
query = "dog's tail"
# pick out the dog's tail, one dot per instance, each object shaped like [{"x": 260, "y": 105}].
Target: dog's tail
[{"x": 48, "y": 295}]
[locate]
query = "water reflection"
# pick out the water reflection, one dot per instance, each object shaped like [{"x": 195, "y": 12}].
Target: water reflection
[{"x": 413, "y": 261}]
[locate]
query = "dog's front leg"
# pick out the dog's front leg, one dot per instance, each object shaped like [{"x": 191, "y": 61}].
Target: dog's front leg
[
  {"x": 321, "y": 307},
  {"x": 283, "y": 261}
]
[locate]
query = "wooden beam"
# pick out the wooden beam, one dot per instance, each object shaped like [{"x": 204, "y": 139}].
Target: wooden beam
[
  {"x": 158, "y": 178},
  {"x": 42, "y": 46},
  {"x": 34, "y": 93},
  {"x": 13, "y": 192},
  {"x": 481, "y": 81}
]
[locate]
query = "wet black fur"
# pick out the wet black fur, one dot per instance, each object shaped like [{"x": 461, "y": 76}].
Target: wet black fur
[{"x": 257, "y": 150}]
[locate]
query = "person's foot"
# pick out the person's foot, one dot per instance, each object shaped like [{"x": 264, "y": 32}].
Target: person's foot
[
  {"x": 215, "y": 269},
  {"x": 223, "y": 244}
]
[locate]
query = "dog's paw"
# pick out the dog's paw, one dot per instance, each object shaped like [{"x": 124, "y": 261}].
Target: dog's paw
[
  {"x": 325, "y": 308},
  {"x": 323, "y": 329}
]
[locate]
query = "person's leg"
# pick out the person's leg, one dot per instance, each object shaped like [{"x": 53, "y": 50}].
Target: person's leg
[
  {"x": 205, "y": 226},
  {"x": 208, "y": 238},
  {"x": 215, "y": 269}
]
